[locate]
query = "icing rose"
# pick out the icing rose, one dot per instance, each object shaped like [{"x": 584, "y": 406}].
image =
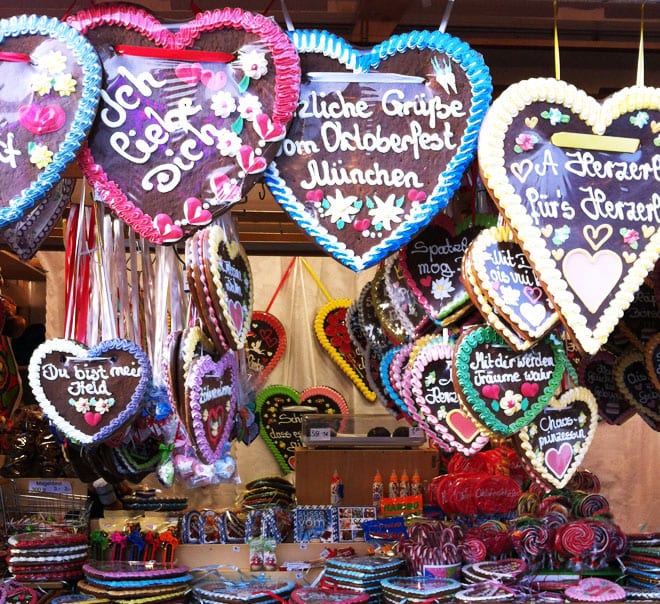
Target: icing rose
[
  {"x": 223, "y": 104},
  {"x": 253, "y": 63},
  {"x": 510, "y": 403},
  {"x": 525, "y": 142}
]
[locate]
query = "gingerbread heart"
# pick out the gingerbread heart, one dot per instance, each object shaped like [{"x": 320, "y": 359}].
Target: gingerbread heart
[
  {"x": 380, "y": 140},
  {"x": 332, "y": 334},
  {"x": 432, "y": 401},
  {"x": 597, "y": 374},
  {"x": 566, "y": 172},
  {"x": 281, "y": 410},
  {"x": 636, "y": 386},
  {"x": 555, "y": 442},
  {"x": 183, "y": 134},
  {"x": 47, "y": 110},
  {"x": 503, "y": 389},
  {"x": 266, "y": 343},
  {"x": 211, "y": 393},
  {"x": 641, "y": 320},
  {"x": 392, "y": 368},
  {"x": 431, "y": 263},
  {"x": 509, "y": 282},
  {"x": 25, "y": 236},
  {"x": 652, "y": 359},
  {"x": 386, "y": 314},
  {"x": 596, "y": 589},
  {"x": 89, "y": 394}
]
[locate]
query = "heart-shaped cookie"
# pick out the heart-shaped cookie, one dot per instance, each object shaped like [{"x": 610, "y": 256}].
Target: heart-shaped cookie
[
  {"x": 652, "y": 359},
  {"x": 641, "y": 320},
  {"x": 392, "y": 373},
  {"x": 380, "y": 140},
  {"x": 387, "y": 315},
  {"x": 636, "y": 386},
  {"x": 89, "y": 394},
  {"x": 332, "y": 334},
  {"x": 597, "y": 374},
  {"x": 281, "y": 410},
  {"x": 211, "y": 392},
  {"x": 47, "y": 110},
  {"x": 503, "y": 389},
  {"x": 431, "y": 263},
  {"x": 433, "y": 402},
  {"x": 25, "y": 236},
  {"x": 183, "y": 134},
  {"x": 509, "y": 282},
  {"x": 554, "y": 444},
  {"x": 596, "y": 589},
  {"x": 266, "y": 343},
  {"x": 578, "y": 193}
]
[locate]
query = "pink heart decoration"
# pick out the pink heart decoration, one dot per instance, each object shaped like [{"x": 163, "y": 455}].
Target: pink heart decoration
[
  {"x": 558, "y": 460},
  {"x": 529, "y": 389},
  {"x": 491, "y": 391},
  {"x": 195, "y": 213},
  {"x": 460, "y": 423},
  {"x": 268, "y": 130},
  {"x": 41, "y": 120},
  {"x": 93, "y": 419},
  {"x": 533, "y": 294},
  {"x": 190, "y": 118}
]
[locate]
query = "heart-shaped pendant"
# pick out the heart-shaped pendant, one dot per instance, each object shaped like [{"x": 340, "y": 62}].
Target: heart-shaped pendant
[
  {"x": 572, "y": 178},
  {"x": 332, "y": 334},
  {"x": 554, "y": 444},
  {"x": 503, "y": 389},
  {"x": 89, "y": 394},
  {"x": 281, "y": 410},
  {"x": 183, "y": 134},
  {"x": 380, "y": 140},
  {"x": 211, "y": 388},
  {"x": 47, "y": 111},
  {"x": 266, "y": 343},
  {"x": 636, "y": 386}
]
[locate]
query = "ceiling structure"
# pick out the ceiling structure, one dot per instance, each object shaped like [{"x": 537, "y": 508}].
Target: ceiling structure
[{"x": 598, "y": 50}]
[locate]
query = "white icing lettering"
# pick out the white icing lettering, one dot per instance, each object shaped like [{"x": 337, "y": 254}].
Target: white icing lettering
[
  {"x": 8, "y": 153},
  {"x": 596, "y": 206}
]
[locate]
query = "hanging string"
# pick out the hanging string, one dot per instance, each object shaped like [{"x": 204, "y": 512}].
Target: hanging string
[
  {"x": 285, "y": 276},
  {"x": 194, "y": 9},
  {"x": 267, "y": 9},
  {"x": 286, "y": 16},
  {"x": 555, "y": 12},
  {"x": 293, "y": 303},
  {"x": 446, "y": 15},
  {"x": 314, "y": 276},
  {"x": 640, "y": 57},
  {"x": 308, "y": 332},
  {"x": 136, "y": 335}
]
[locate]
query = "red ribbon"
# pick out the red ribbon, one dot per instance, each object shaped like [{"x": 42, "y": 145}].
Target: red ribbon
[
  {"x": 14, "y": 57},
  {"x": 174, "y": 54},
  {"x": 281, "y": 283}
]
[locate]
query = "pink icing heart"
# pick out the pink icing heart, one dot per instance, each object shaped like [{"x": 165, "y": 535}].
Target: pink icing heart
[
  {"x": 41, "y": 120},
  {"x": 225, "y": 189},
  {"x": 236, "y": 313},
  {"x": 195, "y": 213},
  {"x": 189, "y": 73},
  {"x": 250, "y": 161},
  {"x": 167, "y": 229},
  {"x": 529, "y": 390},
  {"x": 361, "y": 225},
  {"x": 426, "y": 281},
  {"x": 559, "y": 460},
  {"x": 415, "y": 195},
  {"x": 267, "y": 129},
  {"x": 491, "y": 391},
  {"x": 213, "y": 81},
  {"x": 533, "y": 294},
  {"x": 315, "y": 195},
  {"x": 92, "y": 418},
  {"x": 462, "y": 425}
]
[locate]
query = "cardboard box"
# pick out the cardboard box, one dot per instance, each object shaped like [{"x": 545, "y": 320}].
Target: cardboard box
[{"x": 356, "y": 468}]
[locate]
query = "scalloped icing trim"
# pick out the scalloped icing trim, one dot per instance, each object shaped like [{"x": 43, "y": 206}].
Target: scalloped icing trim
[
  {"x": 125, "y": 570},
  {"x": 391, "y": 369},
  {"x": 620, "y": 367},
  {"x": 284, "y": 57},
  {"x": 73, "y": 348},
  {"x": 478, "y": 253},
  {"x": 335, "y": 355},
  {"x": 50, "y": 27},
  {"x": 474, "y": 405},
  {"x": 216, "y": 239},
  {"x": 199, "y": 369},
  {"x": 326, "y": 392},
  {"x": 652, "y": 359},
  {"x": 537, "y": 464},
  {"x": 493, "y": 173},
  {"x": 395, "y": 288},
  {"x": 354, "y": 326},
  {"x": 316, "y": 41},
  {"x": 278, "y": 328}
]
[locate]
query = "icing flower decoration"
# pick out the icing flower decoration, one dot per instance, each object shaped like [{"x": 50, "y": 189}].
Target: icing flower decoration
[
  {"x": 555, "y": 116},
  {"x": 340, "y": 209},
  {"x": 561, "y": 234},
  {"x": 385, "y": 212},
  {"x": 228, "y": 143},
  {"x": 81, "y": 404},
  {"x": 41, "y": 83},
  {"x": 630, "y": 237},
  {"x": 656, "y": 141},
  {"x": 249, "y": 106},
  {"x": 582, "y": 418},
  {"x": 223, "y": 104},
  {"x": 525, "y": 142},
  {"x": 532, "y": 430},
  {"x": 253, "y": 63},
  {"x": 64, "y": 84},
  {"x": 103, "y": 405},
  {"x": 40, "y": 155},
  {"x": 442, "y": 288},
  {"x": 510, "y": 295},
  {"x": 640, "y": 119},
  {"x": 510, "y": 403},
  {"x": 53, "y": 62}
]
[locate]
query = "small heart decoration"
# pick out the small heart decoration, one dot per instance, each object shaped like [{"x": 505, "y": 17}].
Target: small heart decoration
[
  {"x": 356, "y": 110},
  {"x": 555, "y": 443},
  {"x": 431, "y": 398},
  {"x": 60, "y": 78},
  {"x": 431, "y": 263},
  {"x": 593, "y": 260},
  {"x": 171, "y": 130},
  {"x": 483, "y": 358},
  {"x": 332, "y": 333},
  {"x": 635, "y": 385},
  {"x": 597, "y": 374},
  {"x": 89, "y": 394},
  {"x": 652, "y": 359},
  {"x": 281, "y": 411},
  {"x": 211, "y": 390},
  {"x": 266, "y": 343}
]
